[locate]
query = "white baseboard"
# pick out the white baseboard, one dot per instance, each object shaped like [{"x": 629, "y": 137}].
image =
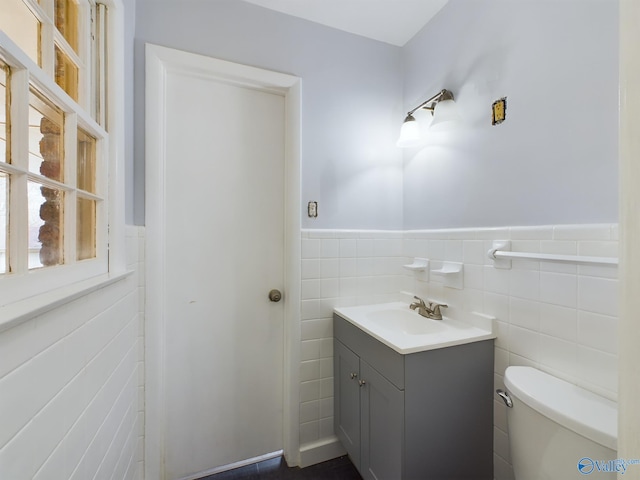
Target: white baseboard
[
  {"x": 232, "y": 466},
  {"x": 320, "y": 451}
]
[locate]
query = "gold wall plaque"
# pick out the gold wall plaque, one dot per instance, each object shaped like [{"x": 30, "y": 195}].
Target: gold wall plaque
[{"x": 499, "y": 109}]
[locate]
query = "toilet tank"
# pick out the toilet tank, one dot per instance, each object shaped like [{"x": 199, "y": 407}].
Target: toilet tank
[{"x": 558, "y": 430}]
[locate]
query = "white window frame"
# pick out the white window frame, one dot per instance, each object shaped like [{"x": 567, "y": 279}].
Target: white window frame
[
  {"x": 84, "y": 59},
  {"x": 27, "y": 293}
]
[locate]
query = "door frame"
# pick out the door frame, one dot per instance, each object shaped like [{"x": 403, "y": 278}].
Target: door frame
[
  {"x": 629, "y": 220},
  {"x": 159, "y": 61}
]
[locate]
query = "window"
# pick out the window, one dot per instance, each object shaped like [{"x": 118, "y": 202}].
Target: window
[{"x": 54, "y": 147}]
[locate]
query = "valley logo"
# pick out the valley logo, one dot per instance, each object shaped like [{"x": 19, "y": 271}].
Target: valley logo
[{"x": 587, "y": 466}]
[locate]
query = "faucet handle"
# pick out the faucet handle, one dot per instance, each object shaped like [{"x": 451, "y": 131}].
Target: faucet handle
[
  {"x": 419, "y": 300},
  {"x": 435, "y": 308}
]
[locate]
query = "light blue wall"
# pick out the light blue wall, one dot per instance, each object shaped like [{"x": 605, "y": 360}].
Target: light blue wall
[
  {"x": 554, "y": 159},
  {"x": 351, "y": 101}
]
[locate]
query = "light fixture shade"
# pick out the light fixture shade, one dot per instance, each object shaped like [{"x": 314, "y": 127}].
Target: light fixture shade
[
  {"x": 409, "y": 133},
  {"x": 445, "y": 111}
]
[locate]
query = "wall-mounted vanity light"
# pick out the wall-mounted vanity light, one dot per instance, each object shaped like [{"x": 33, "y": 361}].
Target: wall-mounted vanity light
[{"x": 443, "y": 109}]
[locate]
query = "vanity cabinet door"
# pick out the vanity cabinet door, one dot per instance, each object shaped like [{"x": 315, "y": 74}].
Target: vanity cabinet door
[
  {"x": 382, "y": 426},
  {"x": 346, "y": 366}
]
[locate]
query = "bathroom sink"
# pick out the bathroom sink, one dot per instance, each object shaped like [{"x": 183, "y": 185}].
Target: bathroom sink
[
  {"x": 405, "y": 331},
  {"x": 406, "y": 321}
]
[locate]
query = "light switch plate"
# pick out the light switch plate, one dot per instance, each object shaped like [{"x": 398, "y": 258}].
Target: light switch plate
[{"x": 312, "y": 209}]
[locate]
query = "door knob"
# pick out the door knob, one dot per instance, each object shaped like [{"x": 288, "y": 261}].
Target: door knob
[{"x": 275, "y": 295}]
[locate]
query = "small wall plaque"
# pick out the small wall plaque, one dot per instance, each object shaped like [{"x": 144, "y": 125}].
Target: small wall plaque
[{"x": 499, "y": 110}]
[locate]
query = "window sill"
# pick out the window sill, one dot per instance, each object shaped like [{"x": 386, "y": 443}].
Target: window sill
[{"x": 24, "y": 310}]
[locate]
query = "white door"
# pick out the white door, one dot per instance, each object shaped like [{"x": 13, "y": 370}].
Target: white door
[{"x": 216, "y": 249}]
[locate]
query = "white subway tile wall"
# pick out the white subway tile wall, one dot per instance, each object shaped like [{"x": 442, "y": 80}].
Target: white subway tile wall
[
  {"x": 70, "y": 385},
  {"x": 339, "y": 268},
  {"x": 560, "y": 318}
]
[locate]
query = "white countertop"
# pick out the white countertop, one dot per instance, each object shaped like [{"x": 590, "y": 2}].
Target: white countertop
[{"x": 405, "y": 331}]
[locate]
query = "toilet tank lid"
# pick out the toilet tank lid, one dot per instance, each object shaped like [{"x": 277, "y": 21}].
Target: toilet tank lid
[{"x": 573, "y": 407}]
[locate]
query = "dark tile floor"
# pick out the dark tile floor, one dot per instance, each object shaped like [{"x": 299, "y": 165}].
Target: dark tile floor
[{"x": 276, "y": 469}]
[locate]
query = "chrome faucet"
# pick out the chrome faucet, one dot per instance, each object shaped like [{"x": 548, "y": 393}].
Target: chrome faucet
[{"x": 431, "y": 311}]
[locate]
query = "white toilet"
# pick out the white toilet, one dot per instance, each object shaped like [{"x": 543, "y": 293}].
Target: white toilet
[{"x": 558, "y": 430}]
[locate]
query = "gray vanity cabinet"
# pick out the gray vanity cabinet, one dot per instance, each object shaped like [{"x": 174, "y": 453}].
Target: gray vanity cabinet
[
  {"x": 417, "y": 416},
  {"x": 369, "y": 416},
  {"x": 347, "y": 399},
  {"x": 382, "y": 426}
]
